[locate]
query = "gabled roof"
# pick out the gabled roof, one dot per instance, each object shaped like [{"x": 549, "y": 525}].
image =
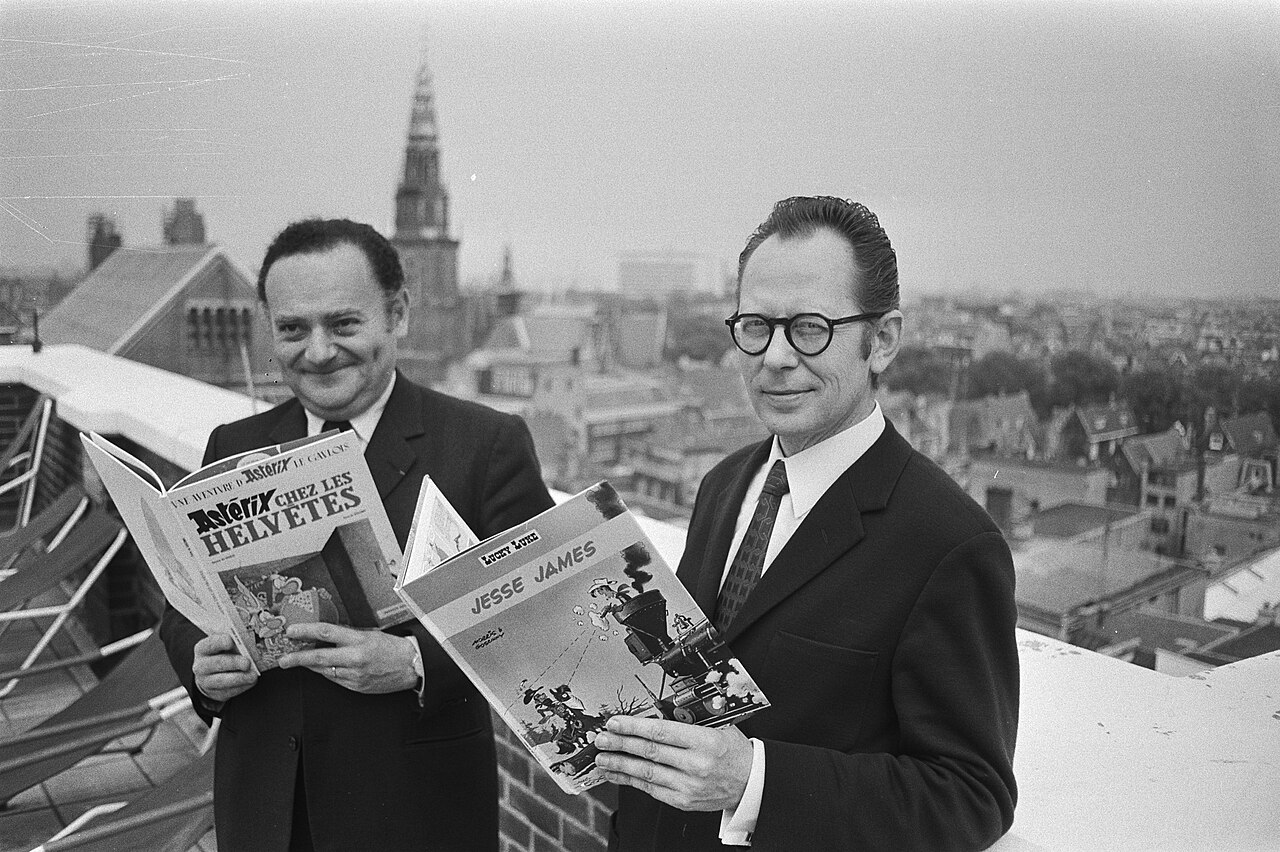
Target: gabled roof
[
  {"x": 1251, "y": 435},
  {"x": 1105, "y": 422},
  {"x": 543, "y": 338},
  {"x": 119, "y": 298},
  {"x": 1156, "y": 451},
  {"x": 995, "y": 407}
]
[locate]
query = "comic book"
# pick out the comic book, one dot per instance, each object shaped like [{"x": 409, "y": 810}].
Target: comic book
[
  {"x": 288, "y": 533},
  {"x": 568, "y": 619}
]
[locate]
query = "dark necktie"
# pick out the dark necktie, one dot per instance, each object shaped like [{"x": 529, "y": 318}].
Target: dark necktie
[
  {"x": 745, "y": 569},
  {"x": 340, "y": 425}
]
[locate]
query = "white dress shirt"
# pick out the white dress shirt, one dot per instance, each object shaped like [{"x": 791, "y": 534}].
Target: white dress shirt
[
  {"x": 363, "y": 425},
  {"x": 810, "y": 473}
]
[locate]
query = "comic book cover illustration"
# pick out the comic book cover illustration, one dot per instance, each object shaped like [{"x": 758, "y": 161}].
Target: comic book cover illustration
[
  {"x": 291, "y": 532},
  {"x": 574, "y": 617},
  {"x": 319, "y": 586}
]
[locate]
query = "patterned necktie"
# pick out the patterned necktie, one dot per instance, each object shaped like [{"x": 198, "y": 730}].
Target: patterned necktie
[
  {"x": 340, "y": 425},
  {"x": 745, "y": 570}
]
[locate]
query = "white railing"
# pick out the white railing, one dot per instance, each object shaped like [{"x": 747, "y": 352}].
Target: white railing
[{"x": 1110, "y": 756}]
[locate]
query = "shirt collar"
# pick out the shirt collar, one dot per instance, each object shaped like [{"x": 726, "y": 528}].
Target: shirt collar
[
  {"x": 813, "y": 470},
  {"x": 363, "y": 423}
]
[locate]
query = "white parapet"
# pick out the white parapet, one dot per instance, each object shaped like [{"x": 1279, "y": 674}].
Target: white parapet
[
  {"x": 1110, "y": 756},
  {"x": 169, "y": 414}
]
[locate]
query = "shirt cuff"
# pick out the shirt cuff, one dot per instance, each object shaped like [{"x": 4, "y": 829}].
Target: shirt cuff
[
  {"x": 737, "y": 825},
  {"x": 421, "y": 688},
  {"x": 206, "y": 703}
]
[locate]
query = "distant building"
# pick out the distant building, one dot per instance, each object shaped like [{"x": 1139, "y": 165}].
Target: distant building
[
  {"x": 556, "y": 366},
  {"x": 101, "y": 238},
  {"x": 715, "y": 419},
  {"x": 483, "y": 307},
  {"x": 1069, "y": 589},
  {"x": 24, "y": 294},
  {"x": 1010, "y": 487},
  {"x": 967, "y": 336},
  {"x": 1001, "y": 424},
  {"x": 1253, "y": 438},
  {"x": 427, "y": 251},
  {"x": 653, "y": 274},
  {"x": 183, "y": 225},
  {"x": 1251, "y": 586},
  {"x": 1147, "y": 637},
  {"x": 186, "y": 309},
  {"x": 1090, "y": 434}
]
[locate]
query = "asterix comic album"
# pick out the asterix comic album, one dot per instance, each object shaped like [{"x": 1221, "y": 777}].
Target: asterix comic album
[
  {"x": 288, "y": 533},
  {"x": 566, "y": 620}
]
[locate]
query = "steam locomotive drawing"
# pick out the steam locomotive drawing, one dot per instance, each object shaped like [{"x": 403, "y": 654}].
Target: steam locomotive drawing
[
  {"x": 701, "y": 683},
  {"x": 699, "y": 674}
]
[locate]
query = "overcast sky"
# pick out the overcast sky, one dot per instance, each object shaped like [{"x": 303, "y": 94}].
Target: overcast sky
[{"x": 1115, "y": 146}]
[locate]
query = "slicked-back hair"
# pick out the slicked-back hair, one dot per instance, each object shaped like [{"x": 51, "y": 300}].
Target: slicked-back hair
[
  {"x": 311, "y": 236},
  {"x": 873, "y": 256}
]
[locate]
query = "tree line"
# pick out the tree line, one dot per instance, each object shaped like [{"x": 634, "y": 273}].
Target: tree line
[{"x": 1159, "y": 395}]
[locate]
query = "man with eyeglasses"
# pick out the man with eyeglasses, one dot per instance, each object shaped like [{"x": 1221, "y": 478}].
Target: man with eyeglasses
[{"x": 869, "y": 597}]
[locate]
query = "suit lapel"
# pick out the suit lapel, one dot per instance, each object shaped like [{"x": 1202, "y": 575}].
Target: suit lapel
[
  {"x": 389, "y": 455},
  {"x": 711, "y": 564},
  {"x": 291, "y": 425},
  {"x": 832, "y": 527}
]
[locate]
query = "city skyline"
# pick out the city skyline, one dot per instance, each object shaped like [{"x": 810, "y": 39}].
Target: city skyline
[{"x": 1121, "y": 147}]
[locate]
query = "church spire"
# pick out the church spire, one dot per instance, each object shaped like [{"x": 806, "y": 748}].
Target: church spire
[
  {"x": 422, "y": 123},
  {"x": 422, "y": 205}
]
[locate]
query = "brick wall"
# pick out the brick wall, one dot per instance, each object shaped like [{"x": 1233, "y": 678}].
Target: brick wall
[
  {"x": 16, "y": 402},
  {"x": 536, "y": 816}
]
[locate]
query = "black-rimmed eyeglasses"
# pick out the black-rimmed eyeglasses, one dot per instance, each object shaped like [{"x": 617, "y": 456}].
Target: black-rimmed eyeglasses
[{"x": 808, "y": 334}]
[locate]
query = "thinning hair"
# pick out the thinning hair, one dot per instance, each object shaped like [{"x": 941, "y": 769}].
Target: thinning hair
[
  {"x": 312, "y": 236},
  {"x": 876, "y": 287}
]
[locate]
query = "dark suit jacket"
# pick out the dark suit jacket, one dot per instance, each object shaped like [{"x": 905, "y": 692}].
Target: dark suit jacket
[
  {"x": 379, "y": 771},
  {"x": 883, "y": 636}
]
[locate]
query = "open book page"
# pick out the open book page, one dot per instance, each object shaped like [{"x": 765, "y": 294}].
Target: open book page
[
  {"x": 574, "y": 617},
  {"x": 139, "y": 467},
  {"x": 438, "y": 532},
  {"x": 143, "y": 511},
  {"x": 295, "y": 533},
  {"x": 292, "y": 533}
]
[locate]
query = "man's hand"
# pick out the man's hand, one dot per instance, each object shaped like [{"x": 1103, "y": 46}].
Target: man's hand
[
  {"x": 221, "y": 671},
  {"x": 367, "y": 661},
  {"x": 686, "y": 766}
]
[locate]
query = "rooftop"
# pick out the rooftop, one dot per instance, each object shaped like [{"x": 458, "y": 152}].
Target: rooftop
[
  {"x": 1068, "y": 520},
  {"x": 122, "y": 295},
  {"x": 1110, "y": 756},
  {"x": 1058, "y": 576}
]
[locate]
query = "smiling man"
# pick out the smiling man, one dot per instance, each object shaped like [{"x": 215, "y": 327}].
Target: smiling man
[
  {"x": 374, "y": 740},
  {"x": 869, "y": 597}
]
